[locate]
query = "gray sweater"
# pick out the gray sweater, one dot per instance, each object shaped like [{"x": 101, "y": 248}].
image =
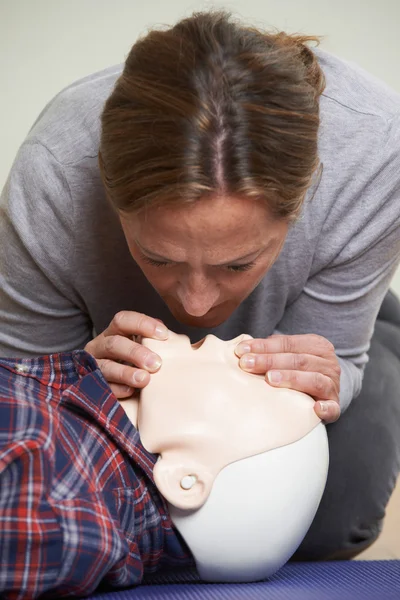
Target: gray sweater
[{"x": 65, "y": 267}]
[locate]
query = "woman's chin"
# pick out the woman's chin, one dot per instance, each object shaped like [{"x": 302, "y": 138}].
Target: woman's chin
[{"x": 201, "y": 323}]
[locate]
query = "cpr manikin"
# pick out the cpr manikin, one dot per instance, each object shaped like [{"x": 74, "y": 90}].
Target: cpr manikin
[{"x": 242, "y": 465}]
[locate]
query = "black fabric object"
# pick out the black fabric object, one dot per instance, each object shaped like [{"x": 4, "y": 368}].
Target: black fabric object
[{"x": 364, "y": 449}]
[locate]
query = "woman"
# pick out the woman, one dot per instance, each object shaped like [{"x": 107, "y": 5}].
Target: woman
[{"x": 226, "y": 180}]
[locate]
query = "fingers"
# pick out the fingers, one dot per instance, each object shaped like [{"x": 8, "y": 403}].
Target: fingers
[
  {"x": 313, "y": 384},
  {"x": 319, "y": 386},
  {"x": 327, "y": 411},
  {"x": 293, "y": 344},
  {"x": 128, "y": 322},
  {"x": 263, "y": 363},
  {"x": 120, "y": 348},
  {"x": 126, "y": 376},
  {"x": 306, "y": 363},
  {"x": 124, "y": 362},
  {"x": 121, "y": 391}
]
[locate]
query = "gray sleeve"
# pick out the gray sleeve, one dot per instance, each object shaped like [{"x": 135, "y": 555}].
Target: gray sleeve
[
  {"x": 40, "y": 313},
  {"x": 341, "y": 301}
]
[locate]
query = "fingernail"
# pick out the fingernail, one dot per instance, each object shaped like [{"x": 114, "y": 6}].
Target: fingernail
[
  {"x": 161, "y": 332},
  {"x": 139, "y": 376},
  {"x": 242, "y": 349},
  {"x": 247, "y": 361},
  {"x": 153, "y": 363},
  {"x": 325, "y": 405},
  {"x": 274, "y": 376}
]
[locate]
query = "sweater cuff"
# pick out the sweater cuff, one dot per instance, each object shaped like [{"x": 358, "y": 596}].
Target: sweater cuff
[{"x": 350, "y": 382}]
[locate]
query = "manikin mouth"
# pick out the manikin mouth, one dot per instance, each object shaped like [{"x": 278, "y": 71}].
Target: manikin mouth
[
  {"x": 200, "y": 324},
  {"x": 199, "y": 344}
]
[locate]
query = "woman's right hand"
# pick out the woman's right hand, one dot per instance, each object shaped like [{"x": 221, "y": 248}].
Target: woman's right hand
[{"x": 115, "y": 347}]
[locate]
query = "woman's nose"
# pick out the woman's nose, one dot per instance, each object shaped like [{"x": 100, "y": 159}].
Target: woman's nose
[{"x": 198, "y": 296}]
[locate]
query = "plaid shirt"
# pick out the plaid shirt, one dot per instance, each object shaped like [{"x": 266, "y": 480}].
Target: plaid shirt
[{"x": 78, "y": 504}]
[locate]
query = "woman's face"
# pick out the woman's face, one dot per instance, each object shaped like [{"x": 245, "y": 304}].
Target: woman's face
[{"x": 204, "y": 259}]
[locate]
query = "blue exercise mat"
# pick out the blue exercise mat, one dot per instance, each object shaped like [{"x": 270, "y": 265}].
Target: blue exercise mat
[{"x": 341, "y": 580}]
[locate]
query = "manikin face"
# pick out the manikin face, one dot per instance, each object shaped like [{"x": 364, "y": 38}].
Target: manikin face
[
  {"x": 205, "y": 259},
  {"x": 201, "y": 412}
]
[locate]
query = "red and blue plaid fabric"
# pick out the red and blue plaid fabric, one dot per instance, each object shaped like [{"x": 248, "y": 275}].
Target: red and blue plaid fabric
[{"x": 78, "y": 504}]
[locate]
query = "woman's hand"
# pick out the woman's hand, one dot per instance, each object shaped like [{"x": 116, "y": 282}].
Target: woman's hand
[
  {"x": 115, "y": 346},
  {"x": 306, "y": 363}
]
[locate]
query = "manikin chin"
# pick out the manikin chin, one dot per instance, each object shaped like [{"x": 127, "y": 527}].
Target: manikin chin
[{"x": 242, "y": 465}]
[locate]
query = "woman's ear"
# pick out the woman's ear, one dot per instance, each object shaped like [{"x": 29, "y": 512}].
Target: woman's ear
[{"x": 186, "y": 486}]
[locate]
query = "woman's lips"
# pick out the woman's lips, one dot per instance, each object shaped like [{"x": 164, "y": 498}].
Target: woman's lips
[{"x": 211, "y": 319}]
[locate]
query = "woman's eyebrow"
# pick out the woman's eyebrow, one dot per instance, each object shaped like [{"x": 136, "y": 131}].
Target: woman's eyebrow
[{"x": 156, "y": 256}]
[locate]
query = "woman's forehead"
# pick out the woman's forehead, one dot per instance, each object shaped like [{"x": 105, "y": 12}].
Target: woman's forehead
[{"x": 209, "y": 223}]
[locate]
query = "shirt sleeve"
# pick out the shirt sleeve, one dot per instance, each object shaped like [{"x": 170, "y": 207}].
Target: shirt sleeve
[
  {"x": 341, "y": 300},
  {"x": 40, "y": 312}
]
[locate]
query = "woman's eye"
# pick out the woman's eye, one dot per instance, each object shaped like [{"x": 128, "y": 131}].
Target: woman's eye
[
  {"x": 232, "y": 268},
  {"x": 239, "y": 268},
  {"x": 154, "y": 263}
]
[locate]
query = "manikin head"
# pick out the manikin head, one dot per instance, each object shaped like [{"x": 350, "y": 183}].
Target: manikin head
[{"x": 242, "y": 465}]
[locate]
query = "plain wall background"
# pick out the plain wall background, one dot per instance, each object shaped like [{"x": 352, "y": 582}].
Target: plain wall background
[{"x": 47, "y": 44}]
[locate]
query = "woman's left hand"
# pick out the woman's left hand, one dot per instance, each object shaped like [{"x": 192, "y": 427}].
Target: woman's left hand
[{"x": 306, "y": 363}]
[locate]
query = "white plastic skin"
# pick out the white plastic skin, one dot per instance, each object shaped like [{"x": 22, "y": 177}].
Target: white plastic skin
[
  {"x": 258, "y": 511},
  {"x": 242, "y": 465}
]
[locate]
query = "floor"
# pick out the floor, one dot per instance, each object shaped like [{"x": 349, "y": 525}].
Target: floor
[{"x": 387, "y": 546}]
